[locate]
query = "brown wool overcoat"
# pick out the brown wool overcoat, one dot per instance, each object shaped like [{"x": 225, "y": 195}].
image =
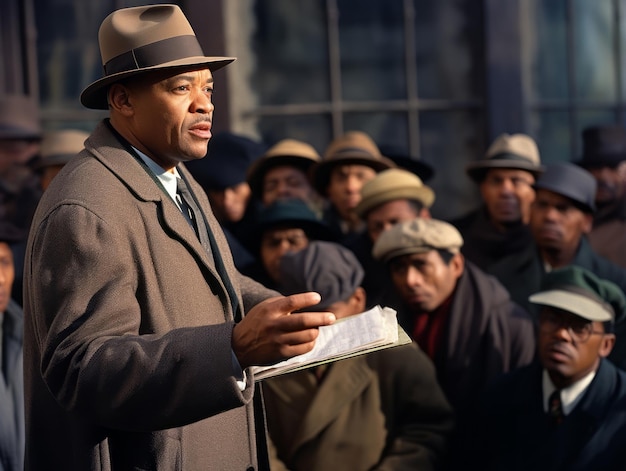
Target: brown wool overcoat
[{"x": 127, "y": 353}]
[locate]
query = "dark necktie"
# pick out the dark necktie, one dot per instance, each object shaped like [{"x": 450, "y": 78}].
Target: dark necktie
[
  {"x": 196, "y": 219},
  {"x": 555, "y": 408}
]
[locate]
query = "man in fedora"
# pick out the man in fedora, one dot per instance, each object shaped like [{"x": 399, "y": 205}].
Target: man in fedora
[
  {"x": 282, "y": 173},
  {"x": 139, "y": 330},
  {"x": 568, "y": 411},
  {"x": 505, "y": 178},
  {"x": 11, "y": 368},
  {"x": 394, "y": 195},
  {"x": 604, "y": 156},
  {"x": 350, "y": 161}
]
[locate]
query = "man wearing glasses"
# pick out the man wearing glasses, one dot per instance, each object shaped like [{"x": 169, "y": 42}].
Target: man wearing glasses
[{"x": 568, "y": 411}]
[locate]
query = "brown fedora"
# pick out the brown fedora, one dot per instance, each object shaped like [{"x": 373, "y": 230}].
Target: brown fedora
[
  {"x": 353, "y": 148},
  {"x": 58, "y": 147},
  {"x": 289, "y": 152},
  {"x": 139, "y": 39},
  {"x": 509, "y": 151},
  {"x": 19, "y": 117}
]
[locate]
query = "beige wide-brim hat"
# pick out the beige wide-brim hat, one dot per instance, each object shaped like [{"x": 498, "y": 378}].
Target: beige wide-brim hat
[
  {"x": 141, "y": 39},
  {"x": 353, "y": 148},
  {"x": 59, "y": 147},
  {"x": 289, "y": 152},
  {"x": 390, "y": 185},
  {"x": 508, "y": 151}
]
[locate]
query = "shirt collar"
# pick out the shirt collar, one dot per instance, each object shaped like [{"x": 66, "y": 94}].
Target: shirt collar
[
  {"x": 167, "y": 179},
  {"x": 570, "y": 396}
]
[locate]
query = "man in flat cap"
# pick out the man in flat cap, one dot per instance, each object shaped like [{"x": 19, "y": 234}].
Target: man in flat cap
[
  {"x": 282, "y": 173},
  {"x": 604, "y": 156},
  {"x": 11, "y": 370},
  {"x": 460, "y": 316},
  {"x": 568, "y": 411},
  {"x": 350, "y": 161},
  {"x": 383, "y": 410},
  {"x": 505, "y": 178},
  {"x": 139, "y": 330},
  {"x": 392, "y": 196}
]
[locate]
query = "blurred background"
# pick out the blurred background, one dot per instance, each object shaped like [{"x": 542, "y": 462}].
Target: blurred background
[{"x": 439, "y": 79}]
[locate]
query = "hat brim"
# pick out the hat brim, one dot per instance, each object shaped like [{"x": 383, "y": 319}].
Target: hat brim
[
  {"x": 258, "y": 169},
  {"x": 320, "y": 173},
  {"x": 95, "y": 95},
  {"x": 576, "y": 303},
  {"x": 477, "y": 170}
]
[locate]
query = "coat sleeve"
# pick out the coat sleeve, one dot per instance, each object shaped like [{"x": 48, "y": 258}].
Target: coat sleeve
[{"x": 92, "y": 319}]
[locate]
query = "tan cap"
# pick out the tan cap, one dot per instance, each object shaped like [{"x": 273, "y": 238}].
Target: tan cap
[
  {"x": 390, "y": 185},
  {"x": 416, "y": 236},
  {"x": 286, "y": 152},
  {"x": 511, "y": 151},
  {"x": 58, "y": 147},
  {"x": 353, "y": 148}
]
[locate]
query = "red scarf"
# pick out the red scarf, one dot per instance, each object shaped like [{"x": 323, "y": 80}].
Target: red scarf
[{"x": 428, "y": 327}]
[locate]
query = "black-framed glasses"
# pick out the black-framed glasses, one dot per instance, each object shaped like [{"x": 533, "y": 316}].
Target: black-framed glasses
[{"x": 580, "y": 329}]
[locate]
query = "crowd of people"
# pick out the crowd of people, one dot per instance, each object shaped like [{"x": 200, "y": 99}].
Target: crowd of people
[{"x": 145, "y": 266}]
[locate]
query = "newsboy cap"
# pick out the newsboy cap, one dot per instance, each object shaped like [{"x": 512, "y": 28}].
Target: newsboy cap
[
  {"x": 571, "y": 181},
  {"x": 417, "y": 236},
  {"x": 141, "y": 39},
  {"x": 328, "y": 268},
  {"x": 290, "y": 152},
  {"x": 58, "y": 147},
  {"x": 510, "y": 151},
  {"x": 579, "y": 291},
  {"x": 390, "y": 185},
  {"x": 352, "y": 148},
  {"x": 603, "y": 146},
  {"x": 227, "y": 161},
  {"x": 19, "y": 118}
]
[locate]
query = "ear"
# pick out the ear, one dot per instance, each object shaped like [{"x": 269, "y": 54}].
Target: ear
[
  {"x": 587, "y": 223},
  {"x": 606, "y": 345},
  {"x": 425, "y": 213},
  {"x": 457, "y": 265},
  {"x": 358, "y": 299},
  {"x": 119, "y": 99}
]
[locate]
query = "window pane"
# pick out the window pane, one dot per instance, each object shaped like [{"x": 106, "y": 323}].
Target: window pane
[
  {"x": 312, "y": 129},
  {"x": 291, "y": 52},
  {"x": 450, "y": 140},
  {"x": 594, "y": 51},
  {"x": 371, "y": 41},
  {"x": 545, "y": 49},
  {"x": 387, "y": 128},
  {"x": 449, "y": 46},
  {"x": 552, "y": 133}
]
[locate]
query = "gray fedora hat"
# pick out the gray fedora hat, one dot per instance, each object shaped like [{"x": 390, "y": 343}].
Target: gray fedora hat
[
  {"x": 19, "y": 117},
  {"x": 147, "y": 38},
  {"x": 571, "y": 181},
  {"x": 58, "y": 147}
]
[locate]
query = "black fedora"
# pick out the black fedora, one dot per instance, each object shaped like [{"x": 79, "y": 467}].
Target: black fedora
[
  {"x": 603, "y": 146},
  {"x": 140, "y": 39},
  {"x": 571, "y": 181},
  {"x": 403, "y": 160}
]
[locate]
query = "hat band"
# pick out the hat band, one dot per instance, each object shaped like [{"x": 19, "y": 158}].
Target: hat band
[
  {"x": 509, "y": 156},
  {"x": 150, "y": 55},
  {"x": 354, "y": 150}
]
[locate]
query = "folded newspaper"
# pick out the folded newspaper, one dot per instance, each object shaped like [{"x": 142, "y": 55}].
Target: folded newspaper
[{"x": 362, "y": 333}]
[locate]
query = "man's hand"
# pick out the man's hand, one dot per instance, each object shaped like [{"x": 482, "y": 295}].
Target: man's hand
[{"x": 270, "y": 332}]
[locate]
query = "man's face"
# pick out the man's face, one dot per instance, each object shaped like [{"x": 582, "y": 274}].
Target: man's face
[
  {"x": 611, "y": 183},
  {"x": 508, "y": 194},
  {"x": 166, "y": 117},
  {"x": 424, "y": 280},
  {"x": 7, "y": 275},
  {"x": 344, "y": 187},
  {"x": 556, "y": 223},
  {"x": 285, "y": 182},
  {"x": 277, "y": 242},
  {"x": 387, "y": 214},
  {"x": 229, "y": 204},
  {"x": 564, "y": 357}
]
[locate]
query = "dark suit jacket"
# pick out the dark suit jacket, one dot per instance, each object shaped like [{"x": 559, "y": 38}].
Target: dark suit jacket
[
  {"x": 515, "y": 433},
  {"x": 127, "y": 347},
  {"x": 12, "y": 390}
]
